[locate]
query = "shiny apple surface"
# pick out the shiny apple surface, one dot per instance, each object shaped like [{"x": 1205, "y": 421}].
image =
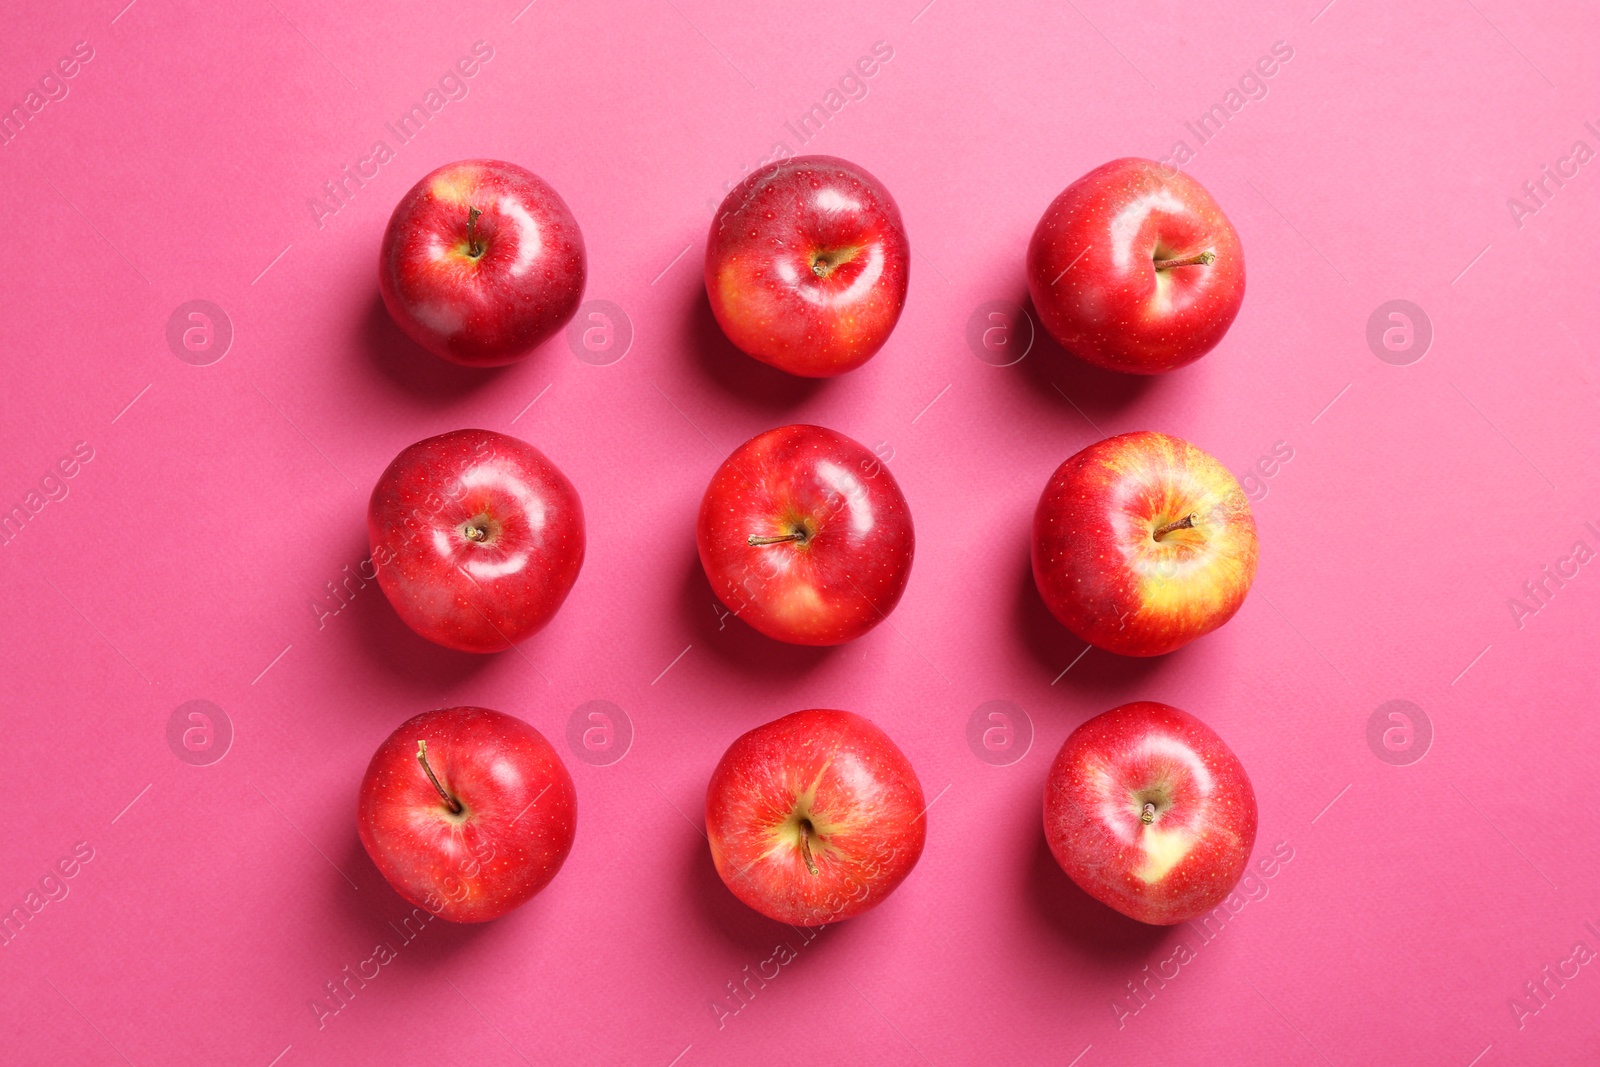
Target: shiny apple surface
[
  {"x": 477, "y": 537},
  {"x": 1150, "y": 812},
  {"x": 805, "y": 535}
]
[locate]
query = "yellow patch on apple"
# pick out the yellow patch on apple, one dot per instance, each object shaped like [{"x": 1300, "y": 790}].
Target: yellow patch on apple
[
  {"x": 453, "y": 188},
  {"x": 1163, "y": 850}
]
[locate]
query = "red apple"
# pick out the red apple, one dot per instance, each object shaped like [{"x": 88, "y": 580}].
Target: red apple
[
  {"x": 1150, "y": 812},
  {"x": 804, "y": 535},
  {"x": 1135, "y": 269},
  {"x": 814, "y": 817},
  {"x": 477, "y": 538},
  {"x": 467, "y": 812},
  {"x": 807, "y": 265},
  {"x": 1142, "y": 543},
  {"x": 481, "y": 263}
]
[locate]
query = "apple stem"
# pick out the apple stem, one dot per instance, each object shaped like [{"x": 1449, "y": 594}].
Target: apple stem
[
  {"x": 474, "y": 249},
  {"x": 798, "y": 535},
  {"x": 805, "y": 846},
  {"x": 1148, "y": 816},
  {"x": 475, "y": 532},
  {"x": 1185, "y": 523},
  {"x": 1200, "y": 260},
  {"x": 422, "y": 757}
]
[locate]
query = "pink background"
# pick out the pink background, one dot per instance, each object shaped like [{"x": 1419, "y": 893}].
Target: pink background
[{"x": 185, "y": 558}]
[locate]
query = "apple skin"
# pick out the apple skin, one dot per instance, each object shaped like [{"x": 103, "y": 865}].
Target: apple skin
[
  {"x": 496, "y": 307},
  {"x": 1203, "y": 825},
  {"x": 825, "y": 782},
  {"x": 849, "y": 569},
  {"x": 807, "y": 266},
  {"x": 515, "y": 828},
  {"x": 475, "y": 595},
  {"x": 1097, "y": 563},
  {"x": 1092, "y": 273}
]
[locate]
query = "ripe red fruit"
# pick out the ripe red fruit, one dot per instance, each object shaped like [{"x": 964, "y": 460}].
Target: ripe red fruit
[
  {"x": 1150, "y": 812},
  {"x": 804, "y": 535},
  {"x": 481, "y": 263},
  {"x": 478, "y": 538},
  {"x": 807, "y": 265},
  {"x": 467, "y": 812},
  {"x": 1135, "y": 269},
  {"x": 1142, "y": 543},
  {"x": 814, "y": 817}
]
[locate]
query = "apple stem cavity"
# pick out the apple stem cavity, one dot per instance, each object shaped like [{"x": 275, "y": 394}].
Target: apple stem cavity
[
  {"x": 806, "y": 830},
  {"x": 1148, "y": 816},
  {"x": 1185, "y": 523},
  {"x": 1200, "y": 260},
  {"x": 422, "y": 757},
  {"x": 798, "y": 535},
  {"x": 825, "y": 263},
  {"x": 474, "y": 249}
]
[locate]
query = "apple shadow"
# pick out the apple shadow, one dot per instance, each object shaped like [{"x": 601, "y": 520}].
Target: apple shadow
[
  {"x": 396, "y": 647},
  {"x": 413, "y": 369},
  {"x": 1082, "y": 922},
  {"x": 1057, "y": 649},
  {"x": 376, "y": 906},
  {"x": 1088, "y": 393},
  {"x": 734, "y": 641},
  {"x": 724, "y": 914},
  {"x": 741, "y": 926},
  {"x": 744, "y": 377}
]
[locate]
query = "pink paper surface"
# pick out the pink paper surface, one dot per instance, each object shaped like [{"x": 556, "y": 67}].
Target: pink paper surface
[{"x": 187, "y": 556}]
